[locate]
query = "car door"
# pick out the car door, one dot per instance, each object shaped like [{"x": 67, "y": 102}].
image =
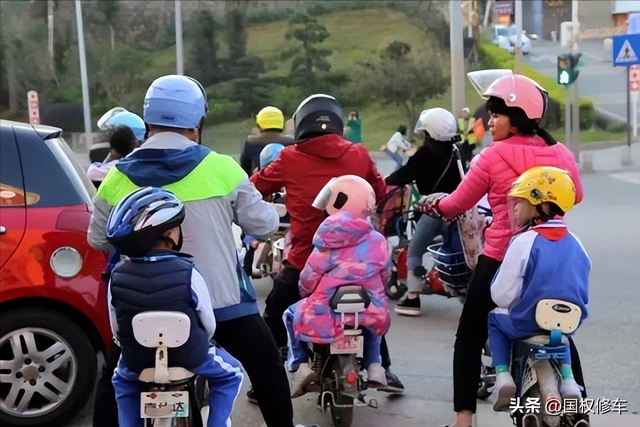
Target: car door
[{"x": 13, "y": 198}]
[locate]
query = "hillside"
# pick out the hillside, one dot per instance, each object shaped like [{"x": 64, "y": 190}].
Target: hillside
[{"x": 356, "y": 36}]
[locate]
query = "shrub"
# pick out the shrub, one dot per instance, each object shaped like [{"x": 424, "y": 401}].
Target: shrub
[{"x": 222, "y": 110}]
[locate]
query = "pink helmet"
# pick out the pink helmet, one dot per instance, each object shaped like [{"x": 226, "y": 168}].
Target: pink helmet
[
  {"x": 348, "y": 193},
  {"x": 519, "y": 91}
]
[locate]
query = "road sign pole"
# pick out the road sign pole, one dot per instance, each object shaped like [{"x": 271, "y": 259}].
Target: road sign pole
[{"x": 628, "y": 107}]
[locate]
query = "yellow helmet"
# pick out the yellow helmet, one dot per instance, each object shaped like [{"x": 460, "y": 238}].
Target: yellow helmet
[
  {"x": 546, "y": 184},
  {"x": 270, "y": 118}
]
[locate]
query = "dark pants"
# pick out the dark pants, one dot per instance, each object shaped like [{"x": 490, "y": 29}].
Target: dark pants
[
  {"x": 285, "y": 292},
  {"x": 248, "y": 340},
  {"x": 472, "y": 336},
  {"x": 105, "y": 409}
]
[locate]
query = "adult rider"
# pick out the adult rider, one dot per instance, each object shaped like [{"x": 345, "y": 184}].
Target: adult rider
[
  {"x": 320, "y": 153},
  {"x": 216, "y": 192},
  {"x": 516, "y": 104},
  {"x": 433, "y": 168}
]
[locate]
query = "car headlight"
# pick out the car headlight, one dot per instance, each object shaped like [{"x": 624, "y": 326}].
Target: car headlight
[{"x": 66, "y": 262}]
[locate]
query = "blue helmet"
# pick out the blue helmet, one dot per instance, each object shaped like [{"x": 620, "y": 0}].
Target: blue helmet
[
  {"x": 118, "y": 116},
  {"x": 269, "y": 153},
  {"x": 175, "y": 101},
  {"x": 135, "y": 224}
]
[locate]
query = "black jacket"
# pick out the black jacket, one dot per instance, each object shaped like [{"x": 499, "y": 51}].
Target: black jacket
[
  {"x": 426, "y": 167},
  {"x": 250, "y": 157}
]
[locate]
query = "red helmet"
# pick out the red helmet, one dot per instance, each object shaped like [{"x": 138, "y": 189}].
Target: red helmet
[{"x": 519, "y": 91}]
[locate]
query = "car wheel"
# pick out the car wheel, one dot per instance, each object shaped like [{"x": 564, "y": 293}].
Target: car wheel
[{"x": 47, "y": 368}]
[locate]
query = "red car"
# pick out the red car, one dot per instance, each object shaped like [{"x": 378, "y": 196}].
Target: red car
[{"x": 53, "y": 310}]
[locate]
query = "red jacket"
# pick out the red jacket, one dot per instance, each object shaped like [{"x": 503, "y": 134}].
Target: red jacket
[
  {"x": 497, "y": 167},
  {"x": 303, "y": 170}
]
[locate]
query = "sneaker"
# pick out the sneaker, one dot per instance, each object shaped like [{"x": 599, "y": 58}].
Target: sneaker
[
  {"x": 569, "y": 389},
  {"x": 408, "y": 307},
  {"x": 376, "y": 377},
  {"x": 301, "y": 379},
  {"x": 503, "y": 391},
  {"x": 394, "y": 386},
  {"x": 251, "y": 396}
]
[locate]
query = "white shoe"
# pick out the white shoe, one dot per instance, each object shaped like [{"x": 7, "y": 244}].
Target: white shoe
[
  {"x": 503, "y": 391},
  {"x": 301, "y": 379},
  {"x": 376, "y": 377},
  {"x": 569, "y": 389}
]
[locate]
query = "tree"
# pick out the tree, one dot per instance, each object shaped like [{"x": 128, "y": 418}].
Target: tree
[
  {"x": 399, "y": 79},
  {"x": 204, "y": 49},
  {"x": 110, "y": 10},
  {"x": 309, "y": 56},
  {"x": 236, "y": 35}
]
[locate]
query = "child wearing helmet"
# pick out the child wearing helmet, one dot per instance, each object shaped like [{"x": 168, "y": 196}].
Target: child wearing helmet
[
  {"x": 544, "y": 261},
  {"x": 122, "y": 141},
  {"x": 267, "y": 156},
  {"x": 347, "y": 251},
  {"x": 145, "y": 226}
]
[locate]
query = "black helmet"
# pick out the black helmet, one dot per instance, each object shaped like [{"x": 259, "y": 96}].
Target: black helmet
[{"x": 318, "y": 114}]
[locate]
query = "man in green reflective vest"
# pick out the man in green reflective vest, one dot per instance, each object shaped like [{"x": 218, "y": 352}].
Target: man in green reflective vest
[{"x": 216, "y": 192}]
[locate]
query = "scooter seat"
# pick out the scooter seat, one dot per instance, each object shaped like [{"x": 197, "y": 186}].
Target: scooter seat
[
  {"x": 175, "y": 375},
  {"x": 543, "y": 340}
]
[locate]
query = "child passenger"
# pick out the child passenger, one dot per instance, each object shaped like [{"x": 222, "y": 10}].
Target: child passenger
[
  {"x": 348, "y": 251},
  {"x": 544, "y": 261}
]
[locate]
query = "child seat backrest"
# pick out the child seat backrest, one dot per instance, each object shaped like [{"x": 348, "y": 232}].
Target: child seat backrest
[
  {"x": 350, "y": 299},
  {"x": 157, "y": 328},
  {"x": 557, "y": 314}
]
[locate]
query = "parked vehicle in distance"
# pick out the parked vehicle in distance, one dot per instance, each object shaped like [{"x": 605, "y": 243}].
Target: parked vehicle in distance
[
  {"x": 52, "y": 295},
  {"x": 506, "y": 37}
]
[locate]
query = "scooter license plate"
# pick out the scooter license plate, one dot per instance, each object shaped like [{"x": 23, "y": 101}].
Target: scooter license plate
[
  {"x": 164, "y": 404},
  {"x": 348, "y": 345}
]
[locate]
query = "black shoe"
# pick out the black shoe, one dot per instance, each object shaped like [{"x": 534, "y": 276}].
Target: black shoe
[
  {"x": 251, "y": 396},
  {"x": 394, "y": 386},
  {"x": 408, "y": 307}
]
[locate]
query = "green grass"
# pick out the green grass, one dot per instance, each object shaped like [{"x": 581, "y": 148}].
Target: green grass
[
  {"x": 356, "y": 36},
  {"x": 598, "y": 135}
]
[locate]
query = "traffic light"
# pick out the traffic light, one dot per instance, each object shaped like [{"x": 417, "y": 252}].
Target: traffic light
[{"x": 567, "y": 65}]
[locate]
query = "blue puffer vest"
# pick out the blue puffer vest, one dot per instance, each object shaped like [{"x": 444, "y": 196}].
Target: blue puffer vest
[{"x": 159, "y": 283}]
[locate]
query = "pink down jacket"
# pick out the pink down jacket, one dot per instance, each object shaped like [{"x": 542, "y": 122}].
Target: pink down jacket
[
  {"x": 347, "y": 250},
  {"x": 497, "y": 167}
]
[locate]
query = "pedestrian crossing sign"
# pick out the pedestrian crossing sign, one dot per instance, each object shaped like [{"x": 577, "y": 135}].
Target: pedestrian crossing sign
[{"x": 626, "y": 49}]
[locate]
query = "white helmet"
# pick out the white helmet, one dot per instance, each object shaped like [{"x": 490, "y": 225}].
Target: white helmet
[{"x": 439, "y": 123}]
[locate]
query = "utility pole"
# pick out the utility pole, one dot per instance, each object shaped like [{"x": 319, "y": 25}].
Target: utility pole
[
  {"x": 470, "y": 19},
  {"x": 457, "y": 58},
  {"x": 575, "y": 116},
  {"x": 50, "y": 5},
  {"x": 178, "y": 17},
  {"x": 83, "y": 77},
  {"x": 518, "y": 50}
]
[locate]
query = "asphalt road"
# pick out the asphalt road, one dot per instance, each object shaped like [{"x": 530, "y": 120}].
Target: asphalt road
[
  {"x": 598, "y": 79},
  {"x": 422, "y": 348}
]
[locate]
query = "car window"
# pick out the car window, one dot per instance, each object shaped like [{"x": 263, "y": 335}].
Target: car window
[
  {"x": 11, "y": 187},
  {"x": 71, "y": 162},
  {"x": 48, "y": 173}
]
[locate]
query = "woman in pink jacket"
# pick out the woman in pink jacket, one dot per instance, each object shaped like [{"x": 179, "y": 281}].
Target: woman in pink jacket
[
  {"x": 348, "y": 251},
  {"x": 516, "y": 104}
]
